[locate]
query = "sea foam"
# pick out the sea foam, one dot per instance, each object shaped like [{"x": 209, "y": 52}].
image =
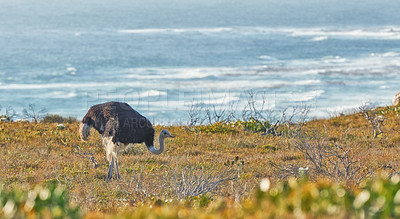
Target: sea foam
[
  {"x": 318, "y": 34},
  {"x": 319, "y": 38}
]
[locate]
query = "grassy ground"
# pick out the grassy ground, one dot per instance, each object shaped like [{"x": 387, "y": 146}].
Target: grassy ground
[{"x": 225, "y": 158}]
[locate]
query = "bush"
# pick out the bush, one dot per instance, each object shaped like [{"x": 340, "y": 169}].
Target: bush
[
  {"x": 377, "y": 198},
  {"x": 219, "y": 127},
  {"x": 41, "y": 202},
  {"x": 254, "y": 125},
  {"x": 53, "y": 118}
]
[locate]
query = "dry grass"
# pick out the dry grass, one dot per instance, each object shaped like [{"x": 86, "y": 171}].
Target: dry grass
[{"x": 38, "y": 153}]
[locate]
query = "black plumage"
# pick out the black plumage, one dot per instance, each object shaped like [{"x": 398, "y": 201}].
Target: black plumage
[{"x": 119, "y": 121}]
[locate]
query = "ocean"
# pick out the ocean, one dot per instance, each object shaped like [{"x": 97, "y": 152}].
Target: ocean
[{"x": 164, "y": 57}]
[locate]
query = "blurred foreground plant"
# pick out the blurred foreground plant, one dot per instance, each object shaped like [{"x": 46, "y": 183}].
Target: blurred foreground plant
[
  {"x": 41, "y": 202},
  {"x": 377, "y": 198}
]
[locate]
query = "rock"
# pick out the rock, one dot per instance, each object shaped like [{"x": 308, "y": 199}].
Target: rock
[{"x": 396, "y": 99}]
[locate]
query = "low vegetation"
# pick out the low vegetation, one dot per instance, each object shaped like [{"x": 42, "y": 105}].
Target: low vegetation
[{"x": 342, "y": 167}]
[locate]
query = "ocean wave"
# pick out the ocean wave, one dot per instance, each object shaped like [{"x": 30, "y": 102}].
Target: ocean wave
[
  {"x": 303, "y": 97},
  {"x": 386, "y": 54},
  {"x": 265, "y": 57},
  {"x": 235, "y": 30},
  {"x": 374, "y": 64},
  {"x": 71, "y": 69},
  {"x": 177, "y": 73},
  {"x": 61, "y": 95},
  {"x": 152, "y": 93},
  {"x": 252, "y": 84},
  {"x": 369, "y": 64},
  {"x": 176, "y": 30},
  {"x": 319, "y": 38},
  {"x": 317, "y": 33},
  {"x": 294, "y": 73},
  {"x": 63, "y": 85},
  {"x": 217, "y": 101},
  {"x": 334, "y": 59},
  {"x": 303, "y": 73},
  {"x": 129, "y": 94},
  {"x": 375, "y": 33}
]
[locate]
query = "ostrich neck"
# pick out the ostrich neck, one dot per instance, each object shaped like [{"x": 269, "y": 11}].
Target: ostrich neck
[{"x": 153, "y": 150}]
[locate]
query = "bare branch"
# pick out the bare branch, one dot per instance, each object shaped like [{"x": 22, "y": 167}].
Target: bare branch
[
  {"x": 9, "y": 114},
  {"x": 376, "y": 121},
  {"x": 194, "y": 181},
  {"x": 33, "y": 113},
  {"x": 329, "y": 160},
  {"x": 195, "y": 117},
  {"x": 89, "y": 155}
]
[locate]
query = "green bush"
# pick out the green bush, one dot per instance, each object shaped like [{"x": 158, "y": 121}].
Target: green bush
[
  {"x": 256, "y": 125},
  {"x": 377, "y": 198},
  {"x": 41, "y": 202},
  {"x": 53, "y": 118},
  {"x": 219, "y": 127},
  {"x": 295, "y": 198}
]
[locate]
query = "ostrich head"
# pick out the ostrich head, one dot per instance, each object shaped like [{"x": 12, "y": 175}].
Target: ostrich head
[
  {"x": 84, "y": 131},
  {"x": 163, "y": 135}
]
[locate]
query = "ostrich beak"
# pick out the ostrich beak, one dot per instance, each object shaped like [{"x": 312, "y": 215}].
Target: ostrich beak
[{"x": 171, "y": 136}]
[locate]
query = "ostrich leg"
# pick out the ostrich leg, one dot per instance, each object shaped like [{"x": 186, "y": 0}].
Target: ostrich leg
[
  {"x": 113, "y": 164},
  {"x": 110, "y": 169},
  {"x": 111, "y": 156},
  {"x": 116, "y": 170},
  {"x": 118, "y": 146}
]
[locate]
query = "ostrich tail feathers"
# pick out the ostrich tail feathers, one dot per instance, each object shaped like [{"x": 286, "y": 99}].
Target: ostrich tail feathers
[{"x": 84, "y": 131}]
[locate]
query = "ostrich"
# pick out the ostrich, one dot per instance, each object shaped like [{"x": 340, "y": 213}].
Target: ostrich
[{"x": 119, "y": 126}]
